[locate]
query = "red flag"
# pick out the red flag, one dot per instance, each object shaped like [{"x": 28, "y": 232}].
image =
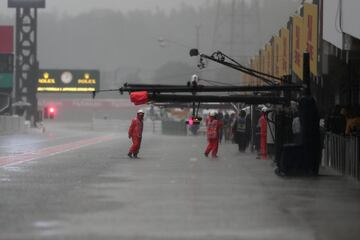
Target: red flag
[{"x": 139, "y": 98}]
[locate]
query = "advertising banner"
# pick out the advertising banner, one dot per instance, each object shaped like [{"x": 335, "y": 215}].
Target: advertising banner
[
  {"x": 65, "y": 80},
  {"x": 257, "y": 68},
  {"x": 262, "y": 62},
  {"x": 269, "y": 59},
  {"x": 284, "y": 52},
  {"x": 252, "y": 66},
  {"x": 311, "y": 29},
  {"x": 6, "y": 39},
  {"x": 276, "y": 56},
  {"x": 298, "y": 45}
]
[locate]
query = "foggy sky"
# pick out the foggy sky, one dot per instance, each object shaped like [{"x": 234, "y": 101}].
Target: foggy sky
[{"x": 74, "y": 7}]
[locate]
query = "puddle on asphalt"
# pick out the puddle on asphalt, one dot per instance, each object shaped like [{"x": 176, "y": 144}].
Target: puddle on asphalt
[
  {"x": 46, "y": 224},
  {"x": 14, "y": 169},
  {"x": 48, "y": 228},
  {"x": 5, "y": 179}
]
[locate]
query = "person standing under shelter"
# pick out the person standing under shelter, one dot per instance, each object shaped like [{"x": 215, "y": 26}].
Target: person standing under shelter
[
  {"x": 213, "y": 129},
  {"x": 240, "y": 131},
  {"x": 296, "y": 128},
  {"x": 135, "y": 133}
]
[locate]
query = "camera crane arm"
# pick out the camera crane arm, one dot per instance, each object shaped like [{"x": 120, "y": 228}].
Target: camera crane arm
[{"x": 223, "y": 59}]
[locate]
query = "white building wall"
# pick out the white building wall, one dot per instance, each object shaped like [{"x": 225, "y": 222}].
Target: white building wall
[
  {"x": 331, "y": 23},
  {"x": 351, "y": 17},
  {"x": 341, "y": 16}
]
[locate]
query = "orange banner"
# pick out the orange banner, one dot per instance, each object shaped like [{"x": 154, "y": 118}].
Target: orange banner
[
  {"x": 284, "y": 52},
  {"x": 298, "y": 45},
  {"x": 311, "y": 26},
  {"x": 269, "y": 60},
  {"x": 257, "y": 68},
  {"x": 276, "y": 56},
  {"x": 262, "y": 62},
  {"x": 251, "y": 78}
]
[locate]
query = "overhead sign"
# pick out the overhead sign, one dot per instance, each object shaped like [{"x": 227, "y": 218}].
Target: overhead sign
[
  {"x": 26, "y": 3},
  {"x": 65, "y": 80}
]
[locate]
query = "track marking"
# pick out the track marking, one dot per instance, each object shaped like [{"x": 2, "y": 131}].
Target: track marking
[{"x": 10, "y": 160}]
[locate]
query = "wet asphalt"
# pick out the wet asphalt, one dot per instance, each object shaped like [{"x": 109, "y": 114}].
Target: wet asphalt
[{"x": 172, "y": 192}]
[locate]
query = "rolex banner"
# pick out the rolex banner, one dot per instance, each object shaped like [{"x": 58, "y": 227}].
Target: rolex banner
[{"x": 65, "y": 80}]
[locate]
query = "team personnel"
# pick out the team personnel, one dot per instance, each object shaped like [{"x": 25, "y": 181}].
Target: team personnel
[
  {"x": 241, "y": 131},
  {"x": 135, "y": 133},
  {"x": 263, "y": 132},
  {"x": 213, "y": 129}
]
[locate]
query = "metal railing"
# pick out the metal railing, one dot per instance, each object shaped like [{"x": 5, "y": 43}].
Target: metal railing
[{"x": 342, "y": 154}]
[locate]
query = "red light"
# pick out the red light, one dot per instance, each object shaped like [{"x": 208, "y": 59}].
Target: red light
[
  {"x": 191, "y": 121},
  {"x": 51, "y": 110}
]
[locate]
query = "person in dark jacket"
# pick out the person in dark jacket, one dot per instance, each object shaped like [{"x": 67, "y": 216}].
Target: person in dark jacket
[{"x": 240, "y": 131}]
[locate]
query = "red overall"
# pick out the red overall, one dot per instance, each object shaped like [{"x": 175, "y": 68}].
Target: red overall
[
  {"x": 213, "y": 137},
  {"x": 263, "y": 127},
  {"x": 135, "y": 133}
]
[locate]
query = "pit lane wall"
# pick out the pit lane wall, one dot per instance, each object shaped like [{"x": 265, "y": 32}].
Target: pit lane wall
[{"x": 11, "y": 124}]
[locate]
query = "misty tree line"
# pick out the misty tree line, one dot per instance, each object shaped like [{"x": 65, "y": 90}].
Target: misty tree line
[{"x": 126, "y": 47}]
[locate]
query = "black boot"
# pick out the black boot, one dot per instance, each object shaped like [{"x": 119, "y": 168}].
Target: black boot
[{"x": 130, "y": 155}]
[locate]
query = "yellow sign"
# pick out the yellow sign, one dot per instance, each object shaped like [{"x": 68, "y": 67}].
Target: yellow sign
[
  {"x": 46, "y": 79},
  {"x": 284, "y": 52},
  {"x": 252, "y": 66},
  {"x": 262, "y": 61},
  {"x": 65, "y": 89},
  {"x": 87, "y": 79},
  {"x": 257, "y": 68},
  {"x": 276, "y": 55},
  {"x": 268, "y": 59},
  {"x": 311, "y": 28},
  {"x": 298, "y": 44}
]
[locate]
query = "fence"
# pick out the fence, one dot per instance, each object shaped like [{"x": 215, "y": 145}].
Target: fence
[{"x": 342, "y": 154}]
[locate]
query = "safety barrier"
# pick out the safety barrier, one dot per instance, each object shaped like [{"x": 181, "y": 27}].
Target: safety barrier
[
  {"x": 342, "y": 154},
  {"x": 11, "y": 124}
]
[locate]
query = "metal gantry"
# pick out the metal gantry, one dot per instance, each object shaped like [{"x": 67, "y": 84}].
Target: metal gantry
[{"x": 26, "y": 62}]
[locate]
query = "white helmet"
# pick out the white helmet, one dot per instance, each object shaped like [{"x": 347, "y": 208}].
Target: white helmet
[
  {"x": 194, "y": 78},
  {"x": 140, "y": 111},
  {"x": 212, "y": 114}
]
